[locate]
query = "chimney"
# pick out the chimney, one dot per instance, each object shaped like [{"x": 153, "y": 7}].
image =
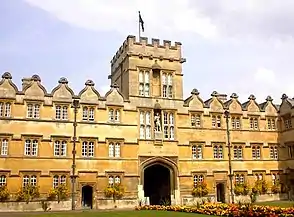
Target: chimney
[
  {"x": 222, "y": 97},
  {"x": 26, "y": 82}
]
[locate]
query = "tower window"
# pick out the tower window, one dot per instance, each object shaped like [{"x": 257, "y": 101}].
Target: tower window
[
  {"x": 167, "y": 85},
  {"x": 144, "y": 83}
]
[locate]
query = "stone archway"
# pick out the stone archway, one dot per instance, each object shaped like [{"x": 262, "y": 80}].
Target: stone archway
[
  {"x": 159, "y": 180},
  {"x": 87, "y": 196}
]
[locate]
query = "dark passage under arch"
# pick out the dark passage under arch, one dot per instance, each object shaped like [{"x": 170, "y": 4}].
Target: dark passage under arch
[
  {"x": 87, "y": 196},
  {"x": 157, "y": 184},
  {"x": 220, "y": 193}
]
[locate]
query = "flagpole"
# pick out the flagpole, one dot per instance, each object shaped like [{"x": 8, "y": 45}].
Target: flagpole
[{"x": 139, "y": 26}]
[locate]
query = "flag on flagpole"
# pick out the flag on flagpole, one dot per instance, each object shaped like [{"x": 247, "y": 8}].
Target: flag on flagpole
[{"x": 141, "y": 22}]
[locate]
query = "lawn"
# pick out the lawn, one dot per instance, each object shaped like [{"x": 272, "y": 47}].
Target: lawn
[
  {"x": 283, "y": 204},
  {"x": 143, "y": 213}
]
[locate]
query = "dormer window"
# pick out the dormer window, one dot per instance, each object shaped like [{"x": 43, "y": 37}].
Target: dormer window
[
  {"x": 167, "y": 85},
  {"x": 144, "y": 83}
]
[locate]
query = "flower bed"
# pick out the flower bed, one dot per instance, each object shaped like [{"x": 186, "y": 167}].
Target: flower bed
[{"x": 229, "y": 210}]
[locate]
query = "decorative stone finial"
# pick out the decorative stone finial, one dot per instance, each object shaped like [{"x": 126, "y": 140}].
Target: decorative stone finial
[
  {"x": 7, "y": 75},
  {"x": 156, "y": 66},
  {"x": 214, "y": 93},
  {"x": 269, "y": 99},
  {"x": 36, "y": 78},
  {"x": 284, "y": 96},
  {"x": 141, "y": 56},
  {"x": 251, "y": 97},
  {"x": 234, "y": 96},
  {"x": 63, "y": 80},
  {"x": 89, "y": 83},
  {"x": 195, "y": 92},
  {"x": 114, "y": 85}
]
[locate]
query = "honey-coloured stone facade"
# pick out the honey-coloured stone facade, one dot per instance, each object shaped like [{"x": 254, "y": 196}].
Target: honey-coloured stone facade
[{"x": 141, "y": 121}]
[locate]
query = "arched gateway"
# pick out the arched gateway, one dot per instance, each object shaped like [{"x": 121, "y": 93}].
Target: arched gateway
[{"x": 159, "y": 180}]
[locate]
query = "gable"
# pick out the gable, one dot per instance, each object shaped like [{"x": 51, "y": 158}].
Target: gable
[
  {"x": 252, "y": 107},
  {"x": 34, "y": 92},
  {"x": 216, "y": 105},
  {"x": 235, "y": 107},
  {"x": 89, "y": 96},
  {"x": 114, "y": 97},
  {"x": 7, "y": 90},
  {"x": 196, "y": 104},
  {"x": 62, "y": 93},
  {"x": 270, "y": 110},
  {"x": 285, "y": 107}
]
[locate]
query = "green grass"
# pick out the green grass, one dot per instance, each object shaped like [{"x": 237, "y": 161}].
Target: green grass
[
  {"x": 283, "y": 204},
  {"x": 142, "y": 213}
]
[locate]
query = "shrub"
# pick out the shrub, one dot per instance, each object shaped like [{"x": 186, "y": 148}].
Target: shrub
[
  {"x": 241, "y": 189},
  {"x": 4, "y": 193},
  {"x": 260, "y": 187},
  {"x": 200, "y": 190},
  {"x": 116, "y": 191},
  {"x": 28, "y": 193},
  {"x": 59, "y": 193},
  {"x": 276, "y": 188}
]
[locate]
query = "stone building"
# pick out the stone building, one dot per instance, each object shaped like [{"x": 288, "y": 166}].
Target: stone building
[{"x": 142, "y": 133}]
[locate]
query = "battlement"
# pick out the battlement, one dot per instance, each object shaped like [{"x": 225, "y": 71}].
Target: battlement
[{"x": 161, "y": 49}]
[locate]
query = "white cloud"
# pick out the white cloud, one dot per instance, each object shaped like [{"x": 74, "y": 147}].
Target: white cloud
[
  {"x": 175, "y": 18},
  {"x": 162, "y": 18},
  {"x": 265, "y": 76}
]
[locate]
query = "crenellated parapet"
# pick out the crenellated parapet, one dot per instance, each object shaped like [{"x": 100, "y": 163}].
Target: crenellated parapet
[{"x": 145, "y": 48}]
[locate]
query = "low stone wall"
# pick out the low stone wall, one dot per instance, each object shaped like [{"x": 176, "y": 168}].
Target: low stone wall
[
  {"x": 126, "y": 203},
  {"x": 262, "y": 198},
  {"x": 34, "y": 206},
  {"x": 191, "y": 201}
]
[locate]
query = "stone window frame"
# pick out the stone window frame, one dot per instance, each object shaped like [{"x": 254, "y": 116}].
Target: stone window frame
[
  {"x": 254, "y": 122},
  {"x": 196, "y": 117},
  {"x": 168, "y": 125},
  {"x": 114, "y": 142},
  {"x": 197, "y": 175},
  {"x": 167, "y": 88},
  {"x": 238, "y": 149},
  {"x": 198, "y": 146},
  {"x": 219, "y": 146},
  {"x": 114, "y": 114},
  {"x": 144, "y": 124},
  {"x": 34, "y": 115},
  {"x": 4, "y": 175},
  {"x": 216, "y": 120},
  {"x": 89, "y": 142},
  {"x": 64, "y": 116},
  {"x": 3, "y": 108},
  {"x": 114, "y": 175},
  {"x": 254, "y": 148},
  {"x": 259, "y": 175},
  {"x": 4, "y": 151},
  {"x": 87, "y": 110},
  {"x": 238, "y": 176},
  {"x": 53, "y": 175},
  {"x": 30, "y": 175},
  {"x": 274, "y": 151},
  {"x": 32, "y": 139},
  {"x": 234, "y": 122},
  {"x": 144, "y": 82},
  {"x": 271, "y": 123}
]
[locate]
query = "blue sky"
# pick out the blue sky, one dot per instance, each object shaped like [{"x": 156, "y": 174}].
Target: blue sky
[{"x": 241, "y": 46}]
